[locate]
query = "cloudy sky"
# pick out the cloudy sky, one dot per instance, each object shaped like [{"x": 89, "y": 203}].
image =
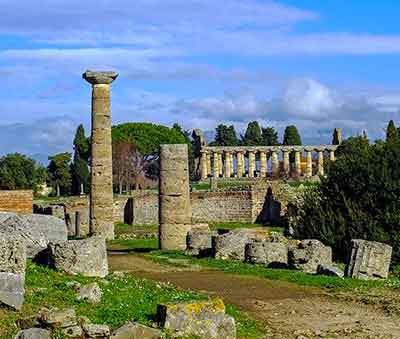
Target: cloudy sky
[{"x": 315, "y": 64}]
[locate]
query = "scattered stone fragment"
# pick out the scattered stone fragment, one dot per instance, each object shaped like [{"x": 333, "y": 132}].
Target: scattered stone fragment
[
  {"x": 58, "y": 318},
  {"x": 205, "y": 319},
  {"x": 136, "y": 331},
  {"x": 12, "y": 255},
  {"x": 231, "y": 245},
  {"x": 27, "y": 322},
  {"x": 73, "y": 284},
  {"x": 33, "y": 333},
  {"x": 309, "y": 254},
  {"x": 73, "y": 332},
  {"x": 330, "y": 271},
  {"x": 199, "y": 241},
  {"x": 90, "y": 292},
  {"x": 12, "y": 290},
  {"x": 272, "y": 254},
  {"x": 87, "y": 257},
  {"x": 369, "y": 260},
  {"x": 96, "y": 331},
  {"x": 36, "y": 229}
]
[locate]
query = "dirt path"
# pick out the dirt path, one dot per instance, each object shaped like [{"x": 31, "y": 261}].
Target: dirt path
[{"x": 288, "y": 310}]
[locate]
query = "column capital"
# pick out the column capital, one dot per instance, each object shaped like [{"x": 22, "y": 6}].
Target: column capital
[{"x": 98, "y": 78}]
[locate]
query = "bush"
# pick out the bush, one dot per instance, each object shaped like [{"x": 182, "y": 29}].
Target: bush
[{"x": 358, "y": 198}]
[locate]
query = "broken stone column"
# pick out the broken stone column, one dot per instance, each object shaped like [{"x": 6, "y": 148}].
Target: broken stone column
[
  {"x": 101, "y": 188},
  {"x": 175, "y": 211},
  {"x": 369, "y": 260}
]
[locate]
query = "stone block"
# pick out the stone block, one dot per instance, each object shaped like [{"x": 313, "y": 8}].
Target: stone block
[
  {"x": 96, "y": 331},
  {"x": 12, "y": 290},
  {"x": 330, "y": 271},
  {"x": 205, "y": 319},
  {"x": 173, "y": 236},
  {"x": 90, "y": 292},
  {"x": 136, "y": 331},
  {"x": 232, "y": 245},
  {"x": 197, "y": 241},
  {"x": 58, "y": 318},
  {"x": 369, "y": 260},
  {"x": 33, "y": 333},
  {"x": 73, "y": 332},
  {"x": 273, "y": 254},
  {"x": 309, "y": 254},
  {"x": 37, "y": 230},
  {"x": 12, "y": 254},
  {"x": 87, "y": 257}
]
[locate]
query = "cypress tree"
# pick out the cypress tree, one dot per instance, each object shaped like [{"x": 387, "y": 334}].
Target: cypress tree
[
  {"x": 80, "y": 166},
  {"x": 291, "y": 136},
  {"x": 252, "y": 136},
  {"x": 391, "y": 132}
]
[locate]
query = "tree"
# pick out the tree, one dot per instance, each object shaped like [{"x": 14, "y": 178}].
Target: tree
[
  {"x": 391, "y": 132},
  {"x": 225, "y": 136},
  {"x": 18, "y": 171},
  {"x": 358, "y": 198},
  {"x": 291, "y": 136},
  {"x": 269, "y": 136},
  {"x": 252, "y": 136},
  {"x": 59, "y": 173},
  {"x": 80, "y": 166}
]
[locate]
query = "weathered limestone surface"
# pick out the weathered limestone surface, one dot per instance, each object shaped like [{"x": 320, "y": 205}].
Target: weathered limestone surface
[
  {"x": 369, "y": 260},
  {"x": 90, "y": 292},
  {"x": 309, "y": 254},
  {"x": 58, "y": 318},
  {"x": 101, "y": 194},
  {"x": 12, "y": 290},
  {"x": 232, "y": 245},
  {"x": 136, "y": 331},
  {"x": 12, "y": 254},
  {"x": 268, "y": 253},
  {"x": 199, "y": 240},
  {"x": 330, "y": 271},
  {"x": 37, "y": 230},
  {"x": 205, "y": 319},
  {"x": 33, "y": 333},
  {"x": 96, "y": 331},
  {"x": 87, "y": 257},
  {"x": 174, "y": 199}
]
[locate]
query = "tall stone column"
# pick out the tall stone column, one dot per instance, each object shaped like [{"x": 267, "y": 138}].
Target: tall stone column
[
  {"x": 275, "y": 163},
  {"x": 215, "y": 165},
  {"x": 286, "y": 163},
  {"x": 297, "y": 163},
  {"x": 209, "y": 162},
  {"x": 320, "y": 162},
  {"x": 101, "y": 187},
  {"x": 175, "y": 213},
  {"x": 308, "y": 163},
  {"x": 252, "y": 164},
  {"x": 332, "y": 155},
  {"x": 263, "y": 164},
  {"x": 232, "y": 164},
  {"x": 240, "y": 164},
  {"x": 203, "y": 165},
  {"x": 228, "y": 164},
  {"x": 220, "y": 164}
]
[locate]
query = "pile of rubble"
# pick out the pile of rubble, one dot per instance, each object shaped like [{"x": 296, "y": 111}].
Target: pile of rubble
[{"x": 368, "y": 259}]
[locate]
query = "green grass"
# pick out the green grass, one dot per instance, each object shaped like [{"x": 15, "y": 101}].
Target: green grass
[
  {"x": 134, "y": 244},
  {"x": 121, "y": 228},
  {"x": 126, "y": 298},
  {"x": 222, "y": 184},
  {"x": 297, "y": 277}
]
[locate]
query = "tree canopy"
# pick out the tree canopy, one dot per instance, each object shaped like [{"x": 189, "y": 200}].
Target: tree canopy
[
  {"x": 291, "y": 136},
  {"x": 146, "y": 136},
  {"x": 225, "y": 136},
  {"x": 18, "y": 171},
  {"x": 59, "y": 173},
  {"x": 392, "y": 132},
  {"x": 252, "y": 137},
  {"x": 269, "y": 136}
]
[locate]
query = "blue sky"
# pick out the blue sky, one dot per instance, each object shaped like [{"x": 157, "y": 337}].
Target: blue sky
[{"x": 316, "y": 64}]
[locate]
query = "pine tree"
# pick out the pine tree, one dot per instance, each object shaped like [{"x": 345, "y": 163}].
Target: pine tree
[
  {"x": 269, "y": 136},
  {"x": 291, "y": 136},
  {"x": 225, "y": 136},
  {"x": 252, "y": 136},
  {"x": 391, "y": 132}
]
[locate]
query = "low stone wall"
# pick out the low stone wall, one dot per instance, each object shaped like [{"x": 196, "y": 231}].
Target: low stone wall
[{"x": 16, "y": 201}]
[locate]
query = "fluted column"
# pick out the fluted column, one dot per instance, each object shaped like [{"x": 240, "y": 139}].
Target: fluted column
[
  {"x": 286, "y": 163},
  {"x": 252, "y": 164},
  {"x": 275, "y": 163},
  {"x": 215, "y": 165},
  {"x": 332, "y": 155},
  {"x": 220, "y": 164},
  {"x": 101, "y": 187},
  {"x": 203, "y": 165},
  {"x": 320, "y": 163},
  {"x": 208, "y": 156},
  {"x": 308, "y": 163},
  {"x": 263, "y": 164},
  {"x": 240, "y": 164},
  {"x": 228, "y": 164},
  {"x": 297, "y": 163}
]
